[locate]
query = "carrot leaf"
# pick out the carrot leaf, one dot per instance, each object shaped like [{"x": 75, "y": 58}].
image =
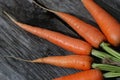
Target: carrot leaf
[
  {"x": 103, "y": 55},
  {"x": 106, "y": 67},
  {"x": 106, "y": 47},
  {"x": 111, "y": 74}
]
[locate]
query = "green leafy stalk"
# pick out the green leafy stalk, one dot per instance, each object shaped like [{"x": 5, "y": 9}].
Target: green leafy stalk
[
  {"x": 111, "y": 74},
  {"x": 106, "y": 67},
  {"x": 106, "y": 47},
  {"x": 103, "y": 55}
]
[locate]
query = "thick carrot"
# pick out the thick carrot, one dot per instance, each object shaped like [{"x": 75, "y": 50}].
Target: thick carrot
[
  {"x": 76, "y": 46},
  {"x": 109, "y": 25},
  {"x": 87, "y": 31},
  {"x": 92, "y": 74},
  {"x": 80, "y": 62}
]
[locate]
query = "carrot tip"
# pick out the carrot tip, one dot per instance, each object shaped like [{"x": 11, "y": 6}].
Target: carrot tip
[
  {"x": 44, "y": 7},
  {"x": 20, "y": 59},
  {"x": 9, "y": 16}
]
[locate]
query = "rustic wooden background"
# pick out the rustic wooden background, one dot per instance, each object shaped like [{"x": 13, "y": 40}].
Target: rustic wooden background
[{"x": 14, "y": 41}]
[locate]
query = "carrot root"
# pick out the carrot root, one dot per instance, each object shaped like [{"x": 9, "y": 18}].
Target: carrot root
[
  {"x": 108, "y": 24},
  {"x": 87, "y": 31},
  {"x": 79, "y": 62},
  {"x": 52, "y": 11},
  {"x": 92, "y": 74},
  {"x": 9, "y": 16},
  {"x": 76, "y": 46}
]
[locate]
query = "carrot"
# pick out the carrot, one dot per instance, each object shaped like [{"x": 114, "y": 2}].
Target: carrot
[
  {"x": 108, "y": 24},
  {"x": 80, "y": 62},
  {"x": 92, "y": 74},
  {"x": 76, "y": 46},
  {"x": 87, "y": 31},
  {"x": 71, "y": 44}
]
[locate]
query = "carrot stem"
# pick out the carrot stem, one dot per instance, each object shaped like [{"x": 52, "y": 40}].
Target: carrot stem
[
  {"x": 106, "y": 67},
  {"x": 106, "y": 47},
  {"x": 103, "y": 55},
  {"x": 111, "y": 74}
]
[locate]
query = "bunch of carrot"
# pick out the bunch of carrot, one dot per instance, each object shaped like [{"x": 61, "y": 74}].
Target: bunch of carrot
[{"x": 82, "y": 60}]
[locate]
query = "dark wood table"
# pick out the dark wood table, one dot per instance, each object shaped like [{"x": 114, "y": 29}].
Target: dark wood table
[{"x": 14, "y": 41}]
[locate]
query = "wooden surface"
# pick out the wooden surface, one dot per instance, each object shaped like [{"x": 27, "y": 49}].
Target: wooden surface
[{"x": 14, "y": 41}]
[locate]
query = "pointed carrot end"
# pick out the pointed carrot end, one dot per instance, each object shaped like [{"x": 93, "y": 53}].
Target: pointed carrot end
[
  {"x": 52, "y": 11},
  {"x": 9, "y": 16},
  {"x": 20, "y": 59},
  {"x": 40, "y": 60}
]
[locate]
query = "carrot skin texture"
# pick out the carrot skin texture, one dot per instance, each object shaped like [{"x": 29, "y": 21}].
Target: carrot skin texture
[
  {"x": 87, "y": 31},
  {"x": 80, "y": 62},
  {"x": 109, "y": 25},
  {"x": 92, "y": 74},
  {"x": 71, "y": 44}
]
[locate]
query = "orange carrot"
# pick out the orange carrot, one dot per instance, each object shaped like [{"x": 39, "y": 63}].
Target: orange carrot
[
  {"x": 109, "y": 25},
  {"x": 71, "y": 44},
  {"x": 92, "y": 74},
  {"x": 87, "y": 31},
  {"x": 80, "y": 62}
]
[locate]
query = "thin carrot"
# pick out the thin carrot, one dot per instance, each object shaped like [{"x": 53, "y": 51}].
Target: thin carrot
[
  {"x": 76, "y": 46},
  {"x": 80, "y": 62},
  {"x": 108, "y": 24},
  {"x": 87, "y": 31},
  {"x": 92, "y": 74}
]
